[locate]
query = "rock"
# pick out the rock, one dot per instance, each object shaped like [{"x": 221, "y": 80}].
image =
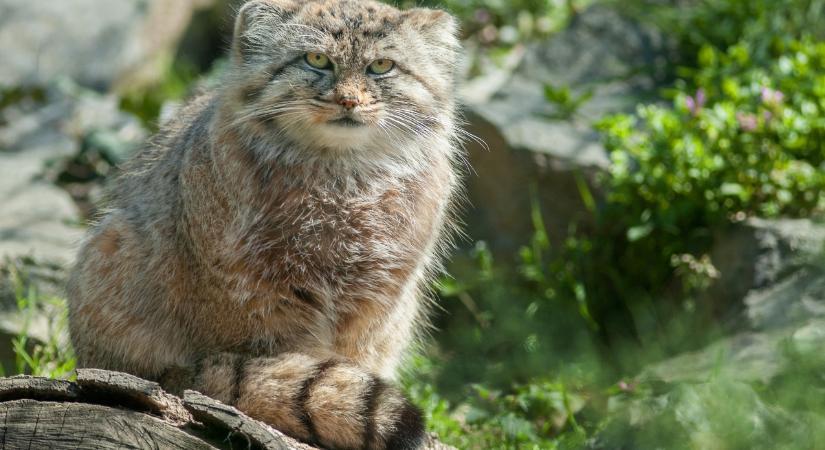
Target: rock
[
  {"x": 745, "y": 390},
  {"x": 772, "y": 290},
  {"x": 714, "y": 414},
  {"x": 796, "y": 299},
  {"x": 758, "y": 253},
  {"x": 99, "y": 43},
  {"x": 40, "y": 224},
  {"x": 39, "y": 219},
  {"x": 535, "y": 148}
]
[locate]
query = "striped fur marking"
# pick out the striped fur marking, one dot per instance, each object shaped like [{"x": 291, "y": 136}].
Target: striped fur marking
[{"x": 304, "y": 395}]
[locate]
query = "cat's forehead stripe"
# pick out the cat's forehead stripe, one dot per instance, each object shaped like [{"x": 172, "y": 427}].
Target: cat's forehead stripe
[{"x": 351, "y": 15}]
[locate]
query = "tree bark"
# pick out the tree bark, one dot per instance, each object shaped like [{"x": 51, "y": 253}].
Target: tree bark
[{"x": 105, "y": 409}]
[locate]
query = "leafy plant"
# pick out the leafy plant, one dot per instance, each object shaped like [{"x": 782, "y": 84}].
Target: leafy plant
[
  {"x": 749, "y": 141},
  {"x": 146, "y": 103},
  {"x": 720, "y": 24},
  {"x": 535, "y": 415},
  {"x": 566, "y": 102}
]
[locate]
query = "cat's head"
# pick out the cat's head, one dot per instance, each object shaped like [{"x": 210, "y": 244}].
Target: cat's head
[{"x": 344, "y": 76}]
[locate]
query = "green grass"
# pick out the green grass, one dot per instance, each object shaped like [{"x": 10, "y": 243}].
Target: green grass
[{"x": 48, "y": 355}]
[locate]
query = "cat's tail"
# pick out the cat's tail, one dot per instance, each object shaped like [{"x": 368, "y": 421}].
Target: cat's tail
[{"x": 331, "y": 403}]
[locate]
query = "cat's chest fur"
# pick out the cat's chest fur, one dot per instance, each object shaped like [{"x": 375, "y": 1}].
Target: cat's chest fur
[
  {"x": 315, "y": 243},
  {"x": 292, "y": 269},
  {"x": 289, "y": 255}
]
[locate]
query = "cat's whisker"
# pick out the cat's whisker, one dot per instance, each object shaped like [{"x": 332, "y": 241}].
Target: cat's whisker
[
  {"x": 397, "y": 123},
  {"x": 410, "y": 124},
  {"x": 466, "y": 135},
  {"x": 418, "y": 118},
  {"x": 264, "y": 113}
]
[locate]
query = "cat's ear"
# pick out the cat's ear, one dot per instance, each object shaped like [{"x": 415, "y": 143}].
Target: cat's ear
[
  {"x": 256, "y": 22},
  {"x": 437, "y": 26}
]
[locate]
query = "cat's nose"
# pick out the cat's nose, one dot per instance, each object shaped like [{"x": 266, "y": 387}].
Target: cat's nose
[{"x": 349, "y": 102}]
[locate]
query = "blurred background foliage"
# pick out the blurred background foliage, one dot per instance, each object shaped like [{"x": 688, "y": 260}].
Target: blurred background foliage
[
  {"x": 737, "y": 133},
  {"x": 548, "y": 346}
]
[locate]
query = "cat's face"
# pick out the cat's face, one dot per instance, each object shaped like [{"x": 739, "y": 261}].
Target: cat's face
[{"x": 345, "y": 74}]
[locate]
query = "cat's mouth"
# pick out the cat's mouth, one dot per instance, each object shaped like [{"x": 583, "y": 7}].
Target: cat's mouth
[{"x": 347, "y": 122}]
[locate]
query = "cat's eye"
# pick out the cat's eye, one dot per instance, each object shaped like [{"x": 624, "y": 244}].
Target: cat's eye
[
  {"x": 318, "y": 60},
  {"x": 381, "y": 66}
]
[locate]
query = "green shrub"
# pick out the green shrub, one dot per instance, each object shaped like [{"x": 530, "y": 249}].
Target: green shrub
[
  {"x": 764, "y": 24},
  {"x": 748, "y": 141}
]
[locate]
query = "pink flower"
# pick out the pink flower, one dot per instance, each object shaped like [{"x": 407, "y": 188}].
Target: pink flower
[
  {"x": 626, "y": 387},
  {"x": 772, "y": 96},
  {"x": 695, "y": 104},
  {"x": 700, "y": 97},
  {"x": 747, "y": 122}
]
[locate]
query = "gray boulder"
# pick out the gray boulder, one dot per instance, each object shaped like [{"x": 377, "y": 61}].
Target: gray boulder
[
  {"x": 748, "y": 389},
  {"x": 39, "y": 219},
  {"x": 712, "y": 414},
  {"x": 773, "y": 285},
  {"x": 759, "y": 253},
  {"x": 99, "y": 43},
  {"x": 40, "y": 224}
]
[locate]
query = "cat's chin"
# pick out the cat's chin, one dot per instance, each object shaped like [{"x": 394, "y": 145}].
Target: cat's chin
[
  {"x": 352, "y": 146},
  {"x": 343, "y": 135},
  {"x": 346, "y": 122}
]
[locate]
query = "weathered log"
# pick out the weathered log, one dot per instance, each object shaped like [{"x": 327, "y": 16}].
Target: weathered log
[
  {"x": 105, "y": 409},
  {"x": 42, "y": 424}
]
